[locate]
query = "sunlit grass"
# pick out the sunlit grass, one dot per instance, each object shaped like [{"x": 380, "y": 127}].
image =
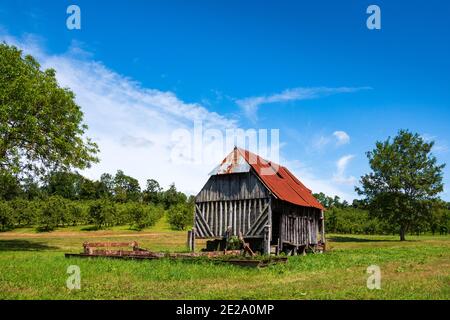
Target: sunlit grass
[{"x": 32, "y": 266}]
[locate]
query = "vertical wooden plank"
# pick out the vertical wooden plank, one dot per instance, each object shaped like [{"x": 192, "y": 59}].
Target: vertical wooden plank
[
  {"x": 202, "y": 208},
  {"x": 244, "y": 216},
  {"x": 226, "y": 222},
  {"x": 239, "y": 224},
  {"x": 294, "y": 221},
  {"x": 301, "y": 222},
  {"x": 220, "y": 224},
  {"x": 291, "y": 225},
  {"x": 215, "y": 228},
  {"x": 208, "y": 205},
  {"x": 255, "y": 210},
  {"x": 282, "y": 232},
  {"x": 309, "y": 227},
  {"x": 300, "y": 229},
  {"x": 234, "y": 218},
  {"x": 249, "y": 217},
  {"x": 189, "y": 240},
  {"x": 288, "y": 228},
  {"x": 270, "y": 220},
  {"x": 296, "y": 233},
  {"x": 224, "y": 214},
  {"x": 304, "y": 229},
  {"x": 323, "y": 228},
  {"x": 231, "y": 210},
  {"x": 317, "y": 215},
  {"x": 218, "y": 206}
]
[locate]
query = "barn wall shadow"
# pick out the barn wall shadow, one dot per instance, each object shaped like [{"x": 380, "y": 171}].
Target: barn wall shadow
[{"x": 24, "y": 245}]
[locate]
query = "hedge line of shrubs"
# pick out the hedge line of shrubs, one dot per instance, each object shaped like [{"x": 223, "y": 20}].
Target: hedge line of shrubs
[
  {"x": 358, "y": 221},
  {"x": 67, "y": 198},
  {"x": 352, "y": 221},
  {"x": 55, "y": 211}
]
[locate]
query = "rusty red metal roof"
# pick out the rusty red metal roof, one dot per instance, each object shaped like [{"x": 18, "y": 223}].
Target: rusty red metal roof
[{"x": 278, "y": 179}]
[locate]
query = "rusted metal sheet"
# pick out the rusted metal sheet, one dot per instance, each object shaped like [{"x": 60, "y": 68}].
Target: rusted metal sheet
[
  {"x": 279, "y": 180},
  {"x": 233, "y": 163}
]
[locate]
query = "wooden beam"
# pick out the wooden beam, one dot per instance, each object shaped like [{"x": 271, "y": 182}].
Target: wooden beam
[
  {"x": 203, "y": 225},
  {"x": 260, "y": 221},
  {"x": 322, "y": 217}
]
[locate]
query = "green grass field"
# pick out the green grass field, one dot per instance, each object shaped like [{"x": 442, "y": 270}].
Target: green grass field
[{"x": 32, "y": 266}]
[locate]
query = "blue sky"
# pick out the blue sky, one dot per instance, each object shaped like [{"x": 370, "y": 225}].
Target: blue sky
[{"x": 313, "y": 70}]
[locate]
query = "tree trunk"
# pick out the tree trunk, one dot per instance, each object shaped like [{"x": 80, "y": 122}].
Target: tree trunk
[{"x": 402, "y": 234}]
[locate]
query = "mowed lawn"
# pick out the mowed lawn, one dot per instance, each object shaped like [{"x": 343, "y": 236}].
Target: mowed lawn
[{"x": 33, "y": 266}]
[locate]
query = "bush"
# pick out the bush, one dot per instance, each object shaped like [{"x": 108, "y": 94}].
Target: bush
[
  {"x": 234, "y": 243},
  {"x": 6, "y": 217},
  {"x": 353, "y": 221},
  {"x": 181, "y": 216},
  {"x": 52, "y": 214},
  {"x": 25, "y": 212},
  {"x": 103, "y": 213},
  {"x": 143, "y": 216},
  {"x": 76, "y": 213}
]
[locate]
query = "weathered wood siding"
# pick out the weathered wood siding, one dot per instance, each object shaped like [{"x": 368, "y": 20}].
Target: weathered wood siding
[
  {"x": 237, "y": 186},
  {"x": 299, "y": 225},
  {"x": 240, "y": 201},
  {"x": 248, "y": 217}
]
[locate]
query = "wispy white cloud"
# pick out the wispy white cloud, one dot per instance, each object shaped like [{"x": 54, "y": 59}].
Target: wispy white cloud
[
  {"x": 251, "y": 105},
  {"x": 337, "y": 139},
  {"x": 340, "y": 175},
  {"x": 342, "y": 137},
  {"x": 132, "y": 125}
]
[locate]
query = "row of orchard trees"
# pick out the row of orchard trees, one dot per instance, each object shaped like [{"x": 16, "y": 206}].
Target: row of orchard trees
[
  {"x": 356, "y": 218},
  {"x": 119, "y": 188},
  {"x": 69, "y": 199}
]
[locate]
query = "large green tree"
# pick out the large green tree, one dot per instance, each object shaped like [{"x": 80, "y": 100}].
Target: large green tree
[
  {"x": 41, "y": 126},
  {"x": 126, "y": 188},
  {"x": 405, "y": 178},
  {"x": 153, "y": 192}
]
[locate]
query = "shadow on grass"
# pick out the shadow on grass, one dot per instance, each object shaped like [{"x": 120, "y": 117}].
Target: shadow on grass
[
  {"x": 24, "y": 245},
  {"x": 90, "y": 228},
  {"x": 352, "y": 239}
]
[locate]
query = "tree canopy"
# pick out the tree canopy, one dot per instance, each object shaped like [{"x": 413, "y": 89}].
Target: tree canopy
[
  {"x": 41, "y": 126},
  {"x": 405, "y": 178}
]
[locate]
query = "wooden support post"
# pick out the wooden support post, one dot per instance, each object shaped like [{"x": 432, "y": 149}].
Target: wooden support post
[
  {"x": 266, "y": 243},
  {"x": 322, "y": 218},
  {"x": 191, "y": 240},
  {"x": 270, "y": 223}
]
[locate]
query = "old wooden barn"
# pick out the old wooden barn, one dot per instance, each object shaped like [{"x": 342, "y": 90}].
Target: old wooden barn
[{"x": 260, "y": 201}]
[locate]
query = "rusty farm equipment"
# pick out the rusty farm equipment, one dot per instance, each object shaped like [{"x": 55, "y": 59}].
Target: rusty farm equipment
[{"x": 244, "y": 257}]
